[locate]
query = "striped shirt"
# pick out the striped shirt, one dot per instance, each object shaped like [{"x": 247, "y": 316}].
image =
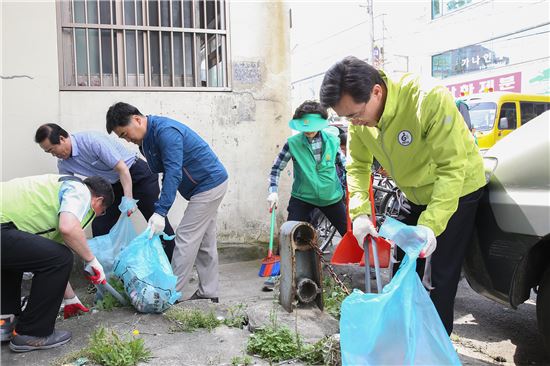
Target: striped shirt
[{"x": 284, "y": 157}]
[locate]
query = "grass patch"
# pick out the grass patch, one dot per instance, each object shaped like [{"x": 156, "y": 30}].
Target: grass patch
[
  {"x": 277, "y": 343},
  {"x": 333, "y": 296},
  {"x": 109, "y": 302},
  {"x": 107, "y": 348},
  {"x": 69, "y": 358},
  {"x": 187, "y": 320},
  {"x": 236, "y": 316},
  {"x": 245, "y": 360}
]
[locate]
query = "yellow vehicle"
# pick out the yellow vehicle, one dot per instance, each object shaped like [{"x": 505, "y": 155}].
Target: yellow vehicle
[{"x": 495, "y": 115}]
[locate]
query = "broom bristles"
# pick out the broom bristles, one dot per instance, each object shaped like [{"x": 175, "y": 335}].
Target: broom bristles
[{"x": 271, "y": 266}]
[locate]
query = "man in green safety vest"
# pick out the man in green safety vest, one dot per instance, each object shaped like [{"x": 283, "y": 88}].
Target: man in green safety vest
[{"x": 39, "y": 214}]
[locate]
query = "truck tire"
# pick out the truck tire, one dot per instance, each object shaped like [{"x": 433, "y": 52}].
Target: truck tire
[{"x": 543, "y": 308}]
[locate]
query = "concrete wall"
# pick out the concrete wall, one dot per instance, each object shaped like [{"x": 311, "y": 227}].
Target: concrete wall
[{"x": 245, "y": 126}]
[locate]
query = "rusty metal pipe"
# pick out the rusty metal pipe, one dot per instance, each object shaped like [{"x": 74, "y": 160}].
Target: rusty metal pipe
[{"x": 307, "y": 290}]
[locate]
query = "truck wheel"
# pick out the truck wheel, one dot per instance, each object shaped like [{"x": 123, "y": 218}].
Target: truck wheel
[{"x": 543, "y": 308}]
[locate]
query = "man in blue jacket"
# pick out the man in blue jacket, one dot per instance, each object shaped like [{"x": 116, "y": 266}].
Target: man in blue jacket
[{"x": 190, "y": 167}]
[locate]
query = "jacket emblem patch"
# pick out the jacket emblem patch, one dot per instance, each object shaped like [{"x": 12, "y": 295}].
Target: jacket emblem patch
[{"x": 404, "y": 138}]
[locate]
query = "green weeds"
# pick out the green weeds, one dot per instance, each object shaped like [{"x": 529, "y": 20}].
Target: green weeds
[
  {"x": 277, "y": 343},
  {"x": 107, "y": 348},
  {"x": 245, "y": 360},
  {"x": 236, "y": 316},
  {"x": 333, "y": 296},
  {"x": 187, "y": 320},
  {"x": 109, "y": 302}
]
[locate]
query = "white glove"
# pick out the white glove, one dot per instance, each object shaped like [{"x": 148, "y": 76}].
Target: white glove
[
  {"x": 362, "y": 226},
  {"x": 99, "y": 274},
  {"x": 156, "y": 224},
  {"x": 431, "y": 241},
  {"x": 273, "y": 199}
]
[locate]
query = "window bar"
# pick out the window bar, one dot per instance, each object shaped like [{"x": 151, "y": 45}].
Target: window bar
[
  {"x": 100, "y": 46},
  {"x": 121, "y": 45},
  {"x": 112, "y": 44},
  {"x": 138, "y": 80},
  {"x": 217, "y": 62},
  {"x": 195, "y": 67},
  {"x": 74, "y": 47},
  {"x": 147, "y": 43},
  {"x": 113, "y": 55},
  {"x": 206, "y": 55},
  {"x": 183, "y": 52},
  {"x": 160, "y": 44},
  {"x": 73, "y": 12},
  {"x": 137, "y": 44},
  {"x": 87, "y": 43},
  {"x": 148, "y": 58},
  {"x": 124, "y": 56},
  {"x": 75, "y": 59},
  {"x": 205, "y": 22},
  {"x": 172, "y": 41},
  {"x": 135, "y": 14},
  {"x": 225, "y": 67}
]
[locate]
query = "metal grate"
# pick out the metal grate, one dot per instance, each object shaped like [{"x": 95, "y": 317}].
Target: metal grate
[{"x": 143, "y": 44}]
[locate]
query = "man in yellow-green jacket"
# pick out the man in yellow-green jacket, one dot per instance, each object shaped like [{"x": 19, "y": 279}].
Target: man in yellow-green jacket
[{"x": 420, "y": 138}]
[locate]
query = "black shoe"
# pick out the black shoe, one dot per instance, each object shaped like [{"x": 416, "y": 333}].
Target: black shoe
[
  {"x": 196, "y": 296},
  {"x": 25, "y": 343}
]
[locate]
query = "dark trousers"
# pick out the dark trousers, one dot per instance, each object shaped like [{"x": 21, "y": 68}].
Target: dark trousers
[
  {"x": 299, "y": 210},
  {"x": 448, "y": 256},
  {"x": 145, "y": 188},
  {"x": 51, "y": 264}
]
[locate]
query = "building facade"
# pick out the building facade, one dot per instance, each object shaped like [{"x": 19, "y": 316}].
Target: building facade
[
  {"x": 470, "y": 46},
  {"x": 221, "y": 67},
  {"x": 475, "y": 46}
]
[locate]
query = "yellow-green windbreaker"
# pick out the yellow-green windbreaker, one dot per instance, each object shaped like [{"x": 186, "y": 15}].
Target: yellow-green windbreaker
[{"x": 424, "y": 144}]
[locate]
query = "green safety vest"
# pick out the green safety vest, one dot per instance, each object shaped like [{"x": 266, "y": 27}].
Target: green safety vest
[
  {"x": 32, "y": 204},
  {"x": 315, "y": 183}
]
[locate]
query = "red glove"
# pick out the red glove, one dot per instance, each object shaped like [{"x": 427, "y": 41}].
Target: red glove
[
  {"x": 98, "y": 275},
  {"x": 73, "y": 307}
]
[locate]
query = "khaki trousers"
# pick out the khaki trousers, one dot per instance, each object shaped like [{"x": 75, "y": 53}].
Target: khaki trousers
[{"x": 196, "y": 242}]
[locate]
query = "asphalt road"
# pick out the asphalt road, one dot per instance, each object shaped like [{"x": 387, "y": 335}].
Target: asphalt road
[{"x": 490, "y": 333}]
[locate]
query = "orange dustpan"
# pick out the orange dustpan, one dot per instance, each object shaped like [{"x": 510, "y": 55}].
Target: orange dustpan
[
  {"x": 348, "y": 250},
  {"x": 383, "y": 246}
]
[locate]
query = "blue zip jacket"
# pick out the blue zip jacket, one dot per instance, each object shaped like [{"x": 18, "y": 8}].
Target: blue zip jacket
[{"x": 188, "y": 163}]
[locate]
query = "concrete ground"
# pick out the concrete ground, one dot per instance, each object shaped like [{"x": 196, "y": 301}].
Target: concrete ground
[{"x": 485, "y": 333}]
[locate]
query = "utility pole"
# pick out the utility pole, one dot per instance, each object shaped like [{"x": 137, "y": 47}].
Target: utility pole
[{"x": 370, "y": 11}]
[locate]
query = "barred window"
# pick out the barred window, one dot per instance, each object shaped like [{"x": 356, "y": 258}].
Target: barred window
[{"x": 142, "y": 44}]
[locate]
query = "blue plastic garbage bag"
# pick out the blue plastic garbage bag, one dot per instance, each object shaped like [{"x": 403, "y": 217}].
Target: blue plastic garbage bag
[
  {"x": 106, "y": 247},
  {"x": 147, "y": 275},
  {"x": 399, "y": 326}
]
